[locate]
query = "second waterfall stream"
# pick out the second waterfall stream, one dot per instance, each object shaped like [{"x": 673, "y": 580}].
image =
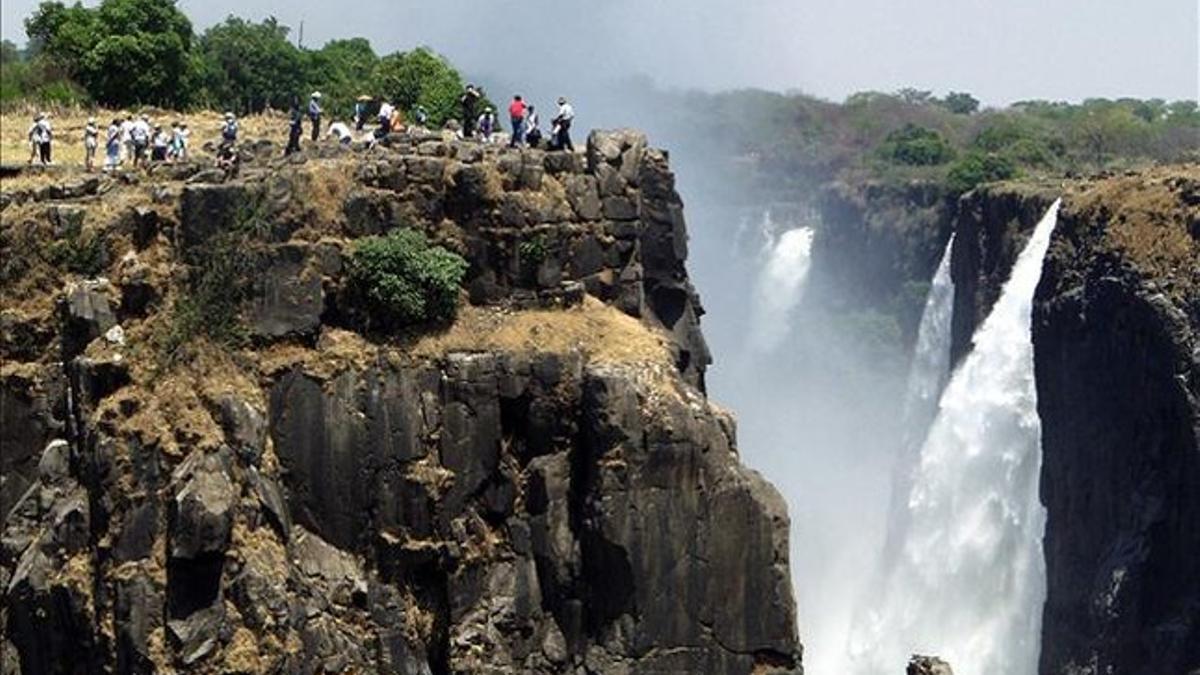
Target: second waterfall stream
[{"x": 967, "y": 579}]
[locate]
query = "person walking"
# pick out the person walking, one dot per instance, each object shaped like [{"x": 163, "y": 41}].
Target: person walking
[
  {"x": 179, "y": 135},
  {"x": 562, "y": 125},
  {"x": 314, "y": 114},
  {"x": 469, "y": 100},
  {"x": 91, "y": 139},
  {"x": 112, "y": 145},
  {"x": 33, "y": 136},
  {"x": 516, "y": 114}
]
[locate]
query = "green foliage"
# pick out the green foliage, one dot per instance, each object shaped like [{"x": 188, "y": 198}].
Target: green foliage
[
  {"x": 960, "y": 103},
  {"x": 82, "y": 253},
  {"x": 248, "y": 66},
  {"x": 917, "y": 146},
  {"x": 530, "y": 254},
  {"x": 420, "y": 77},
  {"x": 400, "y": 280},
  {"x": 341, "y": 71},
  {"x": 217, "y": 284},
  {"x": 978, "y": 167},
  {"x": 123, "y": 52}
]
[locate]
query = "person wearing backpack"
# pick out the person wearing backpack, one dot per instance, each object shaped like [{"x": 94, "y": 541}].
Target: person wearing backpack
[{"x": 91, "y": 139}]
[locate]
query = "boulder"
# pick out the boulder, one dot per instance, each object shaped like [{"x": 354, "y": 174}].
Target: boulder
[
  {"x": 87, "y": 314},
  {"x": 927, "y": 665},
  {"x": 202, "y": 509}
]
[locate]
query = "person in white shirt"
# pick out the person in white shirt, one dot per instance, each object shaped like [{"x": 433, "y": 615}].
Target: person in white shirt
[
  {"x": 385, "y": 119},
  {"x": 141, "y": 134},
  {"x": 91, "y": 139},
  {"x": 159, "y": 144},
  {"x": 126, "y": 138},
  {"x": 341, "y": 132},
  {"x": 34, "y": 135},
  {"x": 533, "y": 135},
  {"x": 562, "y": 125}
]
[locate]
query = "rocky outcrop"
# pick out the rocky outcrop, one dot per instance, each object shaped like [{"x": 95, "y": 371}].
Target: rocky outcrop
[
  {"x": 1117, "y": 352},
  {"x": 539, "y": 487}
]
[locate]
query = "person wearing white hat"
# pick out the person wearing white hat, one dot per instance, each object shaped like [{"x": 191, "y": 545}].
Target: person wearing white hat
[
  {"x": 314, "y": 114},
  {"x": 562, "y": 125},
  {"x": 43, "y": 134},
  {"x": 229, "y": 130},
  {"x": 91, "y": 139}
]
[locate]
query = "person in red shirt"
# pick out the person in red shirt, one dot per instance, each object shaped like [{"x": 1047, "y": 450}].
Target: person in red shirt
[{"x": 516, "y": 112}]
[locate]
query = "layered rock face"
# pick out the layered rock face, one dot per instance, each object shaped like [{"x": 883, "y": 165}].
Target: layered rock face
[
  {"x": 1118, "y": 375},
  {"x": 540, "y": 487},
  {"x": 1118, "y": 371}
]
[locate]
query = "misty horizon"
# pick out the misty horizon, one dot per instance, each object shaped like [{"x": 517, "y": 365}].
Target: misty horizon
[{"x": 1071, "y": 51}]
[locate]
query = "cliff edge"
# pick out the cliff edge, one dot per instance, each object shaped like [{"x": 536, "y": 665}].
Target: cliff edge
[{"x": 540, "y": 486}]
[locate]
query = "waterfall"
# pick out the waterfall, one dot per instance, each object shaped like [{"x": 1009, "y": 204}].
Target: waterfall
[
  {"x": 931, "y": 360},
  {"x": 780, "y": 283},
  {"x": 927, "y": 377},
  {"x": 969, "y": 580}
]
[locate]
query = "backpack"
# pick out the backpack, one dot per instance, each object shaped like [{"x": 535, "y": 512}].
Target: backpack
[
  {"x": 229, "y": 131},
  {"x": 138, "y": 134}
]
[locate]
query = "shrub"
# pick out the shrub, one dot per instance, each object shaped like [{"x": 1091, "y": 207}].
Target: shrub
[
  {"x": 399, "y": 279},
  {"x": 917, "y": 146},
  {"x": 979, "y": 167}
]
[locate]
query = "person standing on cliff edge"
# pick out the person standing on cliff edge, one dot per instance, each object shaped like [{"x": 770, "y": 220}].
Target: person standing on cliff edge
[
  {"x": 469, "y": 100},
  {"x": 562, "y": 125},
  {"x": 314, "y": 114},
  {"x": 516, "y": 113}
]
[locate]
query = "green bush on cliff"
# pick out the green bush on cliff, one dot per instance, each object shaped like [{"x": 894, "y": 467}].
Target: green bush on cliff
[
  {"x": 917, "y": 146},
  {"x": 400, "y": 279},
  {"x": 979, "y": 167}
]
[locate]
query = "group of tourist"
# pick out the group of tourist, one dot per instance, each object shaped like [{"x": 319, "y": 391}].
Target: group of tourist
[
  {"x": 137, "y": 141},
  {"x": 523, "y": 117},
  {"x": 131, "y": 140}
]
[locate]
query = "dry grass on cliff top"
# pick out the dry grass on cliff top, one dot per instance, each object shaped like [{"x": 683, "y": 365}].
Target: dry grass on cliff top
[
  {"x": 1149, "y": 220},
  {"x": 602, "y": 334},
  {"x": 68, "y": 124}
]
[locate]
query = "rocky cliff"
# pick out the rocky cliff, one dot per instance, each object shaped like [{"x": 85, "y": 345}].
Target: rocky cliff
[
  {"x": 1118, "y": 375},
  {"x": 540, "y": 486}
]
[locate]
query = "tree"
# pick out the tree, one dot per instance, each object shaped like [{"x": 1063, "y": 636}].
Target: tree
[
  {"x": 248, "y": 66},
  {"x": 122, "y": 52},
  {"x": 420, "y": 77},
  {"x": 341, "y": 70},
  {"x": 917, "y": 146},
  {"x": 960, "y": 103},
  {"x": 979, "y": 167},
  {"x": 915, "y": 96}
]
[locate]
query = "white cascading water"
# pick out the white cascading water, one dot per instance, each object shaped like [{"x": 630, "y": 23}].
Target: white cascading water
[
  {"x": 927, "y": 376},
  {"x": 780, "y": 284},
  {"x": 968, "y": 581}
]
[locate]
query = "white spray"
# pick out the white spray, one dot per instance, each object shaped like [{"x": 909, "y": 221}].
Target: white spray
[
  {"x": 969, "y": 582},
  {"x": 780, "y": 285}
]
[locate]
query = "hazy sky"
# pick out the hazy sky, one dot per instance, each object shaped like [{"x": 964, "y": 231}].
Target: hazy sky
[{"x": 1001, "y": 50}]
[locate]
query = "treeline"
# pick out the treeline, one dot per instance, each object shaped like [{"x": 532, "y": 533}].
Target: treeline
[
  {"x": 126, "y": 53},
  {"x": 798, "y": 142}
]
